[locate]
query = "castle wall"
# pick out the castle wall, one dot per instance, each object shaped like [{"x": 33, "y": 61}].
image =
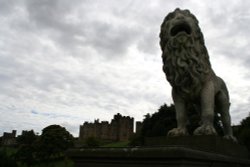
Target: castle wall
[
  {"x": 138, "y": 127},
  {"x": 9, "y": 138},
  {"x": 120, "y": 129}
]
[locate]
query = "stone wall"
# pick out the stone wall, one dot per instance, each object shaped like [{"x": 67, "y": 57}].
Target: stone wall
[
  {"x": 162, "y": 156},
  {"x": 120, "y": 129},
  {"x": 9, "y": 138},
  {"x": 138, "y": 126}
]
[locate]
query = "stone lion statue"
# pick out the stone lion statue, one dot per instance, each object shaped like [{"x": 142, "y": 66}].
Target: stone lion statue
[{"x": 188, "y": 70}]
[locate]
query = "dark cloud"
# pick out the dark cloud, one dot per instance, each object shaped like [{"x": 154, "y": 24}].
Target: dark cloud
[
  {"x": 73, "y": 27},
  {"x": 110, "y": 40},
  {"x": 7, "y": 7}
]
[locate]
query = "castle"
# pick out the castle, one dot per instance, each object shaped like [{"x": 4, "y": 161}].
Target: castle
[
  {"x": 120, "y": 129},
  {"x": 9, "y": 139}
]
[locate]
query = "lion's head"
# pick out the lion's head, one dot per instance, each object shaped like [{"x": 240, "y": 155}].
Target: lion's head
[{"x": 185, "y": 58}]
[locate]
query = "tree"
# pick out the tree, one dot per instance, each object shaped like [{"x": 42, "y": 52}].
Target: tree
[
  {"x": 53, "y": 141},
  {"x": 26, "y": 149},
  {"x": 243, "y": 132},
  {"x": 27, "y": 137},
  {"x": 159, "y": 123},
  {"x": 92, "y": 142},
  {"x": 26, "y": 154},
  {"x": 6, "y": 160}
]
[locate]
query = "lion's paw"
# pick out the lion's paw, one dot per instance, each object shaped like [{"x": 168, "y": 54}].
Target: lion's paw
[
  {"x": 205, "y": 130},
  {"x": 230, "y": 137},
  {"x": 178, "y": 132}
]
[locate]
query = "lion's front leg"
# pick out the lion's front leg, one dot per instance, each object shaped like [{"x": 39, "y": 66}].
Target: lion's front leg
[
  {"x": 207, "y": 110},
  {"x": 181, "y": 116}
]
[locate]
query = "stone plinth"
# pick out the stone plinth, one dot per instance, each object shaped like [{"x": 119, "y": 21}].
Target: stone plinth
[
  {"x": 174, "y": 152},
  {"x": 211, "y": 144}
]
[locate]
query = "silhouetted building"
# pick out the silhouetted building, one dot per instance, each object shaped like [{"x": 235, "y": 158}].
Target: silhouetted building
[
  {"x": 120, "y": 129},
  {"x": 138, "y": 126},
  {"x": 9, "y": 139}
]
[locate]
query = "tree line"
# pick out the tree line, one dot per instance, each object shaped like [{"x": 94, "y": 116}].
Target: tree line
[{"x": 33, "y": 149}]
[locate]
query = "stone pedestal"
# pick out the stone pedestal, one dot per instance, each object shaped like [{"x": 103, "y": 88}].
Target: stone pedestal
[
  {"x": 166, "y": 155},
  {"x": 211, "y": 144}
]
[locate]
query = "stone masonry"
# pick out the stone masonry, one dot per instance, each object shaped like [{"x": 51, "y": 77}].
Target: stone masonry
[
  {"x": 120, "y": 129},
  {"x": 9, "y": 139}
]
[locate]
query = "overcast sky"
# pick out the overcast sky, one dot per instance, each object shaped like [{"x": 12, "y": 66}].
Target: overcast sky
[{"x": 69, "y": 61}]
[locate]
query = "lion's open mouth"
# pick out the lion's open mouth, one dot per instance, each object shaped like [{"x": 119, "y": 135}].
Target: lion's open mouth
[{"x": 182, "y": 27}]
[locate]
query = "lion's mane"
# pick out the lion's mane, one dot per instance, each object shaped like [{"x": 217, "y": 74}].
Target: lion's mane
[{"x": 186, "y": 61}]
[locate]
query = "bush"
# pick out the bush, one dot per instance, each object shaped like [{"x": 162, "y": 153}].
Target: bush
[
  {"x": 92, "y": 142},
  {"x": 53, "y": 142},
  {"x": 6, "y": 160},
  {"x": 243, "y": 132}
]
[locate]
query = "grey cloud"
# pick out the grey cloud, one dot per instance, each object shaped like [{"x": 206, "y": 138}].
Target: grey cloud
[
  {"x": 238, "y": 112},
  {"x": 34, "y": 112},
  {"x": 107, "y": 39},
  {"x": 49, "y": 14},
  {"x": 50, "y": 114},
  {"x": 7, "y": 7},
  {"x": 149, "y": 42},
  {"x": 232, "y": 28},
  {"x": 111, "y": 40},
  {"x": 73, "y": 129}
]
